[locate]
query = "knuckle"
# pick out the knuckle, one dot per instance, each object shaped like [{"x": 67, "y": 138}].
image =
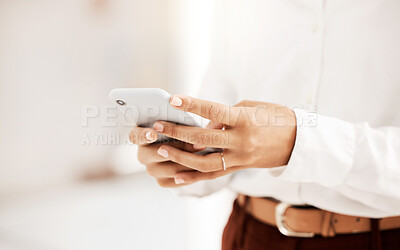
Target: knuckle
[
  {"x": 190, "y": 105},
  {"x": 213, "y": 111},
  {"x": 244, "y": 143},
  {"x": 249, "y": 143},
  {"x": 247, "y": 116}
]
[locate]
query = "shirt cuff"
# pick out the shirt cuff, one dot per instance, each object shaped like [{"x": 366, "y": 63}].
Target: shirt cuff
[{"x": 323, "y": 151}]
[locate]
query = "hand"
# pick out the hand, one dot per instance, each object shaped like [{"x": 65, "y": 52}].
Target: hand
[
  {"x": 162, "y": 169},
  {"x": 256, "y": 135}
]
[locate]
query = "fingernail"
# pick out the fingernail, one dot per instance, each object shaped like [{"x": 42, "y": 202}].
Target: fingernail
[
  {"x": 176, "y": 101},
  {"x": 148, "y": 136},
  {"x": 197, "y": 147},
  {"x": 158, "y": 127},
  {"x": 179, "y": 180},
  {"x": 162, "y": 152}
]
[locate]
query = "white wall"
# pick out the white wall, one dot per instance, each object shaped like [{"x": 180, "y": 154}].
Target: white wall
[
  {"x": 55, "y": 58},
  {"x": 59, "y": 56}
]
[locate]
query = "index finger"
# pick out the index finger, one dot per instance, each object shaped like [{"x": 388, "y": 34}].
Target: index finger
[
  {"x": 194, "y": 135},
  {"x": 210, "y": 110}
]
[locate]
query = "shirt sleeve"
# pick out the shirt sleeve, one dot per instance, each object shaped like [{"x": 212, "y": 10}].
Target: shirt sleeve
[{"x": 360, "y": 162}]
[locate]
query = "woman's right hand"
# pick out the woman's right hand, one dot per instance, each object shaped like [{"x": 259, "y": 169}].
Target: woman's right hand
[{"x": 149, "y": 155}]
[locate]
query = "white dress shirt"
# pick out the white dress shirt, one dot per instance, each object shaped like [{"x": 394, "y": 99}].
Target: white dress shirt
[{"x": 337, "y": 63}]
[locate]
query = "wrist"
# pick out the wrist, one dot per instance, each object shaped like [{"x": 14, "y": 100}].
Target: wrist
[{"x": 289, "y": 136}]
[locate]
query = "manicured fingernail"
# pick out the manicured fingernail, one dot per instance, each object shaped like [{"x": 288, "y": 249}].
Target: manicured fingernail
[
  {"x": 197, "y": 147},
  {"x": 162, "y": 152},
  {"x": 158, "y": 127},
  {"x": 176, "y": 101},
  {"x": 179, "y": 180},
  {"x": 148, "y": 136}
]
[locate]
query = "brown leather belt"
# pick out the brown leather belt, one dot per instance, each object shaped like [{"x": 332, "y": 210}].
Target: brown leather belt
[{"x": 308, "y": 221}]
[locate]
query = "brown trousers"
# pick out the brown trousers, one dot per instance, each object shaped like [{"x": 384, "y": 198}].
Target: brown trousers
[{"x": 244, "y": 232}]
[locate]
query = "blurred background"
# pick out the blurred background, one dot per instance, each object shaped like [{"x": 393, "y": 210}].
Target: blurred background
[{"x": 65, "y": 181}]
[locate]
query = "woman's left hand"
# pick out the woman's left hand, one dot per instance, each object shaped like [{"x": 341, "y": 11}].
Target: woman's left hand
[{"x": 256, "y": 135}]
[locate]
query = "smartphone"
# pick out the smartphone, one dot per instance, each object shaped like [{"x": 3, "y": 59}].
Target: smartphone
[{"x": 144, "y": 106}]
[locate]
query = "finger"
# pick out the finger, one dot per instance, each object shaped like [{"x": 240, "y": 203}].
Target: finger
[
  {"x": 203, "y": 163},
  {"x": 214, "y": 125},
  {"x": 141, "y": 136},
  {"x": 168, "y": 183},
  {"x": 194, "y": 135},
  {"x": 188, "y": 177},
  {"x": 210, "y": 125},
  {"x": 210, "y": 110},
  {"x": 166, "y": 169},
  {"x": 182, "y": 145},
  {"x": 147, "y": 154}
]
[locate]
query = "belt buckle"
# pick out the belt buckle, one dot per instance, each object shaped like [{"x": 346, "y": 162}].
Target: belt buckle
[{"x": 280, "y": 211}]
